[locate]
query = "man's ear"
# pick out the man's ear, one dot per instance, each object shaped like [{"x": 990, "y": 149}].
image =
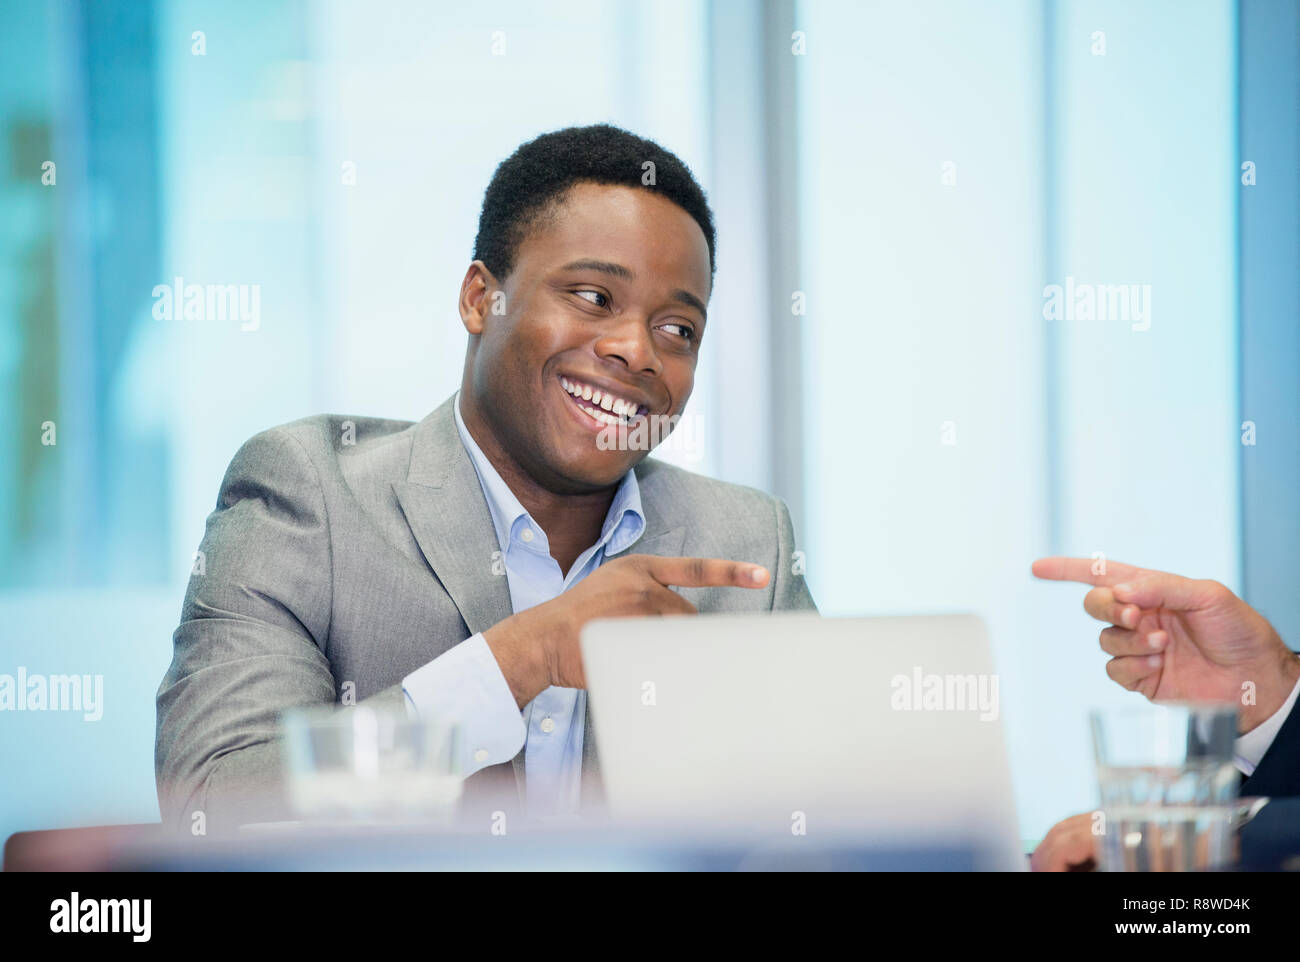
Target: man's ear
[{"x": 478, "y": 292}]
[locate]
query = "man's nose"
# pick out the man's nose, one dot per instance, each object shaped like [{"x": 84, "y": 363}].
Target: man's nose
[{"x": 631, "y": 342}]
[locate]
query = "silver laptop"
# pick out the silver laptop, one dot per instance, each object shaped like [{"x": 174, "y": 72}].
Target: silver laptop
[{"x": 850, "y": 731}]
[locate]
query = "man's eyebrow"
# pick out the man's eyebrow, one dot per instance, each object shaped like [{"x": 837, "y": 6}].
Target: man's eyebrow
[
  {"x": 690, "y": 300},
  {"x": 604, "y": 267},
  {"x": 624, "y": 274}
]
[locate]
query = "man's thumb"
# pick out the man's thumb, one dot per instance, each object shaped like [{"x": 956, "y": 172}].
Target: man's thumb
[{"x": 1166, "y": 591}]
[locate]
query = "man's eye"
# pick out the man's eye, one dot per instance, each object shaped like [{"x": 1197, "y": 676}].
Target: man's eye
[
  {"x": 593, "y": 295},
  {"x": 687, "y": 332}
]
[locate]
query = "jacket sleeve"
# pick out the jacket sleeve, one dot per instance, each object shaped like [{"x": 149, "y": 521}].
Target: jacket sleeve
[
  {"x": 1270, "y": 842},
  {"x": 790, "y": 589},
  {"x": 1278, "y": 772},
  {"x": 250, "y": 643}
]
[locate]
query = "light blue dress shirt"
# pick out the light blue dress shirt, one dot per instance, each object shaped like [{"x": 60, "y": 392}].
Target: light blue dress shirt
[{"x": 465, "y": 686}]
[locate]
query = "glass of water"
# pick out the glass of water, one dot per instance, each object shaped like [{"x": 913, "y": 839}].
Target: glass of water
[
  {"x": 363, "y": 764},
  {"x": 1168, "y": 786}
]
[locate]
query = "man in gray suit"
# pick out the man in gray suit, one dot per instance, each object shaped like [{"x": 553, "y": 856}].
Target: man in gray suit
[{"x": 449, "y": 565}]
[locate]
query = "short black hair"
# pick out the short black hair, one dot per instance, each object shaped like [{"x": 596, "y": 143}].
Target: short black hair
[{"x": 529, "y": 182}]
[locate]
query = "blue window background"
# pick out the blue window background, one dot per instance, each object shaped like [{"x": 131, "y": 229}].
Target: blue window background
[{"x": 335, "y": 153}]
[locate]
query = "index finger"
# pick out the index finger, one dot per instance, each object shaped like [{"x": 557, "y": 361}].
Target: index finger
[
  {"x": 705, "y": 572},
  {"x": 1081, "y": 570}
]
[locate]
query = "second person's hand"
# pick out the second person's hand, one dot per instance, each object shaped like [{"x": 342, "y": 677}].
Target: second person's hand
[{"x": 1176, "y": 638}]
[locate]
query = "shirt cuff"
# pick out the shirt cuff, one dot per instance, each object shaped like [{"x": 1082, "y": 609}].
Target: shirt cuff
[
  {"x": 1250, "y": 747},
  {"x": 464, "y": 687}
]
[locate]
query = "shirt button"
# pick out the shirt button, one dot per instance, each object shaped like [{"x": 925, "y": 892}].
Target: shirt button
[
  {"x": 548, "y": 725},
  {"x": 526, "y": 534},
  {"x": 481, "y": 755}
]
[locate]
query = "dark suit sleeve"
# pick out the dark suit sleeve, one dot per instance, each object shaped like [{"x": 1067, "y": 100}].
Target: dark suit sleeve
[
  {"x": 1278, "y": 772},
  {"x": 250, "y": 643},
  {"x": 1271, "y": 839},
  {"x": 789, "y": 587}
]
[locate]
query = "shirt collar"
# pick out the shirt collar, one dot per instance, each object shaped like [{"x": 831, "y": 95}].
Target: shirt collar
[{"x": 624, "y": 522}]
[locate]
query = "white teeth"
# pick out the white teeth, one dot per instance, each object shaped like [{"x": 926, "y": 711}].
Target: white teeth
[{"x": 623, "y": 411}]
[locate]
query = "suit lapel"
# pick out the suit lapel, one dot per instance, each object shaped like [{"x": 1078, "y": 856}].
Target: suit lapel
[{"x": 444, "y": 506}]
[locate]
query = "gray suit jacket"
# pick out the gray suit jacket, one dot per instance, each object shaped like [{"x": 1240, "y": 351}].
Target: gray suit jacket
[{"x": 354, "y": 550}]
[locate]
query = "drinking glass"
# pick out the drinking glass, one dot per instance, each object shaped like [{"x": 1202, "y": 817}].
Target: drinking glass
[
  {"x": 363, "y": 764},
  {"x": 1168, "y": 786}
]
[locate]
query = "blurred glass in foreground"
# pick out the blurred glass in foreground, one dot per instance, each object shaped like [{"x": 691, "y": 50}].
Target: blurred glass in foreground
[
  {"x": 365, "y": 765},
  {"x": 1168, "y": 786}
]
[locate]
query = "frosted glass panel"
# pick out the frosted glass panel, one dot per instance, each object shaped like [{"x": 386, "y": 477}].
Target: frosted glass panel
[{"x": 944, "y": 192}]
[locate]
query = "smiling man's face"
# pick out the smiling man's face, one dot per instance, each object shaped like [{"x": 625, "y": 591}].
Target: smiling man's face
[{"x": 607, "y": 293}]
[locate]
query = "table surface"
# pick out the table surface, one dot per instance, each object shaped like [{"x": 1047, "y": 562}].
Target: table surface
[{"x": 295, "y": 846}]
